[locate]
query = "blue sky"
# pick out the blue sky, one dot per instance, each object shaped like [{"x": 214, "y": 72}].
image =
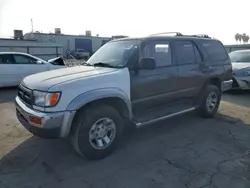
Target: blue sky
[{"x": 218, "y": 18}]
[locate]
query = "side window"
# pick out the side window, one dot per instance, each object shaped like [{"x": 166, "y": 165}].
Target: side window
[
  {"x": 184, "y": 52},
  {"x": 5, "y": 59},
  {"x": 160, "y": 51},
  {"x": 21, "y": 59},
  {"x": 215, "y": 50}
]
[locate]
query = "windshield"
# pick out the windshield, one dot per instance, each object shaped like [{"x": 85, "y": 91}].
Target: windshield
[
  {"x": 114, "y": 54},
  {"x": 240, "y": 56}
]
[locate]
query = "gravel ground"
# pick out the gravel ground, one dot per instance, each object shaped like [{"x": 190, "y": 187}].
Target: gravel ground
[{"x": 182, "y": 152}]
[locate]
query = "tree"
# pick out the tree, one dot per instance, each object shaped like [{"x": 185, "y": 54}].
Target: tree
[{"x": 237, "y": 37}]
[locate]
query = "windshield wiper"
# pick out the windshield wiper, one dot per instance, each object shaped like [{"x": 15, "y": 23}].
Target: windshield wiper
[{"x": 103, "y": 65}]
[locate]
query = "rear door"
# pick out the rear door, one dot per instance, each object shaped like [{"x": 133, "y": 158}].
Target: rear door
[
  {"x": 188, "y": 60},
  {"x": 152, "y": 88}
]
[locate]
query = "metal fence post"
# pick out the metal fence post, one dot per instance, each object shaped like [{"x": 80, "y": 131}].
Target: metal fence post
[{"x": 28, "y": 49}]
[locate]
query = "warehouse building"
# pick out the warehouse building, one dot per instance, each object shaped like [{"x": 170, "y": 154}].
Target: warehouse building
[{"x": 86, "y": 42}]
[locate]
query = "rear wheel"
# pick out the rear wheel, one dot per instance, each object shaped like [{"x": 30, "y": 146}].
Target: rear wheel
[
  {"x": 210, "y": 101},
  {"x": 96, "y": 131}
]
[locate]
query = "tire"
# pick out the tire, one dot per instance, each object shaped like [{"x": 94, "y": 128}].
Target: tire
[
  {"x": 84, "y": 126},
  {"x": 206, "y": 110}
]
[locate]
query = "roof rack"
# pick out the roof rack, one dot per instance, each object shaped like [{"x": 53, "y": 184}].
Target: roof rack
[
  {"x": 167, "y": 33},
  {"x": 179, "y": 34},
  {"x": 200, "y": 35}
]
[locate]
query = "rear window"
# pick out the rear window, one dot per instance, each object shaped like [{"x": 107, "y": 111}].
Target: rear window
[
  {"x": 240, "y": 56},
  {"x": 215, "y": 50}
]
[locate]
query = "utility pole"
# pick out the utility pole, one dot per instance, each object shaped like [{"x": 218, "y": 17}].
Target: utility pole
[{"x": 32, "y": 30}]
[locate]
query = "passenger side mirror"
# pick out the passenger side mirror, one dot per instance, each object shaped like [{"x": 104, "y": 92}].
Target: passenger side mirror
[
  {"x": 147, "y": 63},
  {"x": 39, "y": 62}
]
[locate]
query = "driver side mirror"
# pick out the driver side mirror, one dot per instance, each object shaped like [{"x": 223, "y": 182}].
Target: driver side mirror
[{"x": 147, "y": 63}]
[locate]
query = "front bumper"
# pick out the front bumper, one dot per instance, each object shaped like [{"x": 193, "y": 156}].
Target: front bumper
[
  {"x": 53, "y": 125},
  {"x": 226, "y": 85}
]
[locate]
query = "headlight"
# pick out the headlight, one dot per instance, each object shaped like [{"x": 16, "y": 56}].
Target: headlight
[{"x": 45, "y": 99}]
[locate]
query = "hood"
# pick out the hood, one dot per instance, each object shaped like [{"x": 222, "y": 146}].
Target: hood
[
  {"x": 44, "y": 80},
  {"x": 57, "y": 61},
  {"x": 240, "y": 65}
]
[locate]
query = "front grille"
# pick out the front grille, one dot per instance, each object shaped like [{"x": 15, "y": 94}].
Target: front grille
[{"x": 25, "y": 95}]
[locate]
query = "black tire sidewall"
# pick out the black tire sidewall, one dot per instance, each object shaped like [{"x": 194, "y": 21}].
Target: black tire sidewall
[
  {"x": 87, "y": 121},
  {"x": 203, "y": 108}
]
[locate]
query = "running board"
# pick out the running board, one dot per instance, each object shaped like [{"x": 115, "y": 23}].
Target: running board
[{"x": 164, "y": 117}]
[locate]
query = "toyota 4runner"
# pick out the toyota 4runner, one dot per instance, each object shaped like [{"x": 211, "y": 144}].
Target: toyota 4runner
[{"x": 142, "y": 80}]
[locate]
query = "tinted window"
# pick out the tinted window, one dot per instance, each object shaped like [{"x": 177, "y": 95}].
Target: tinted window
[
  {"x": 80, "y": 50},
  {"x": 5, "y": 59},
  {"x": 184, "y": 52},
  {"x": 21, "y": 59},
  {"x": 160, "y": 51},
  {"x": 215, "y": 50},
  {"x": 240, "y": 56}
]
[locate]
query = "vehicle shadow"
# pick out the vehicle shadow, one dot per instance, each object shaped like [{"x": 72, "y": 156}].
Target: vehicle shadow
[
  {"x": 238, "y": 97},
  {"x": 40, "y": 163},
  {"x": 7, "y": 94}
]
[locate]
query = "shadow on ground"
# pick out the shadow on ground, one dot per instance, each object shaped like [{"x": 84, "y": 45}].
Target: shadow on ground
[
  {"x": 182, "y": 152},
  {"x": 238, "y": 97},
  {"x": 7, "y": 94}
]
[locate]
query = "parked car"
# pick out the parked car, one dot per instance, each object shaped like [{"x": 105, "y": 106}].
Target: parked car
[
  {"x": 141, "y": 80},
  {"x": 241, "y": 69},
  {"x": 14, "y": 66},
  {"x": 80, "y": 54}
]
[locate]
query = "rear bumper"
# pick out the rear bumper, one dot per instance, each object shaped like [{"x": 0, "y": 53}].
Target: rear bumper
[
  {"x": 53, "y": 125},
  {"x": 226, "y": 85}
]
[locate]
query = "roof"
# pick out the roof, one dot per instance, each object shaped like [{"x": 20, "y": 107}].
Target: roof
[
  {"x": 67, "y": 35},
  {"x": 21, "y": 53},
  {"x": 160, "y": 36}
]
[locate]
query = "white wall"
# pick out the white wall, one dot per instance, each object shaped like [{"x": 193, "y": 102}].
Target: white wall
[{"x": 42, "y": 50}]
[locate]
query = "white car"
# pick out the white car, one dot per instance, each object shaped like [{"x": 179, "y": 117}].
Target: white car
[{"x": 14, "y": 66}]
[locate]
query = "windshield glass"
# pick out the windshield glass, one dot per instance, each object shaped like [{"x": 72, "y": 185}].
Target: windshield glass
[
  {"x": 240, "y": 56},
  {"x": 114, "y": 54}
]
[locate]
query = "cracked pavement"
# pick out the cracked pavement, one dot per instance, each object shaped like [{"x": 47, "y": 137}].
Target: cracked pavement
[{"x": 182, "y": 152}]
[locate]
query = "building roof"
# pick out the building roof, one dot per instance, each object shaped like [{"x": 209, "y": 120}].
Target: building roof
[{"x": 67, "y": 35}]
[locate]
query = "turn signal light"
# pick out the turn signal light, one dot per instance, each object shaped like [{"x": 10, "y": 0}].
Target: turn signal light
[{"x": 36, "y": 120}]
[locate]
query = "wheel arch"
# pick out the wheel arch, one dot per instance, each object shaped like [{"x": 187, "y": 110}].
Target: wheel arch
[{"x": 112, "y": 96}]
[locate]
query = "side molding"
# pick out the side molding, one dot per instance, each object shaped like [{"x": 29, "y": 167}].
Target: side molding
[{"x": 97, "y": 94}]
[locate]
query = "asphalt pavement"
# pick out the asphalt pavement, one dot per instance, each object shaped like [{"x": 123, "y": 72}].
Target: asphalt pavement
[{"x": 182, "y": 152}]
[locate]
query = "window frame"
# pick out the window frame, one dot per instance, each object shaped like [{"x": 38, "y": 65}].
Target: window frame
[
  {"x": 155, "y": 42},
  {"x": 194, "y": 46},
  {"x": 28, "y": 57}
]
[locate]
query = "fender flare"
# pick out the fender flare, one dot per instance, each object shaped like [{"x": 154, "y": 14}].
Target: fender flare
[{"x": 97, "y": 94}]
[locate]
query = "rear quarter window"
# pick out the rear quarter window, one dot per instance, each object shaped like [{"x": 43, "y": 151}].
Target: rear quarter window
[{"x": 215, "y": 50}]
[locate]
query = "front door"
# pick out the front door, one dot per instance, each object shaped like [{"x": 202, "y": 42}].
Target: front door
[
  {"x": 153, "y": 88},
  {"x": 23, "y": 66}
]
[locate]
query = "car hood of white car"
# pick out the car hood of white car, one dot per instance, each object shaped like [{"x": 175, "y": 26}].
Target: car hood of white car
[
  {"x": 45, "y": 80},
  {"x": 239, "y": 65}
]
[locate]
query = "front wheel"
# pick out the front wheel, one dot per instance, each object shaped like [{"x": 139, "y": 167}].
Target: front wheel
[
  {"x": 209, "y": 105},
  {"x": 96, "y": 131}
]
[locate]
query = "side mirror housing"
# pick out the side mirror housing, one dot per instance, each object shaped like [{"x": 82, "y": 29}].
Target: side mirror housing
[
  {"x": 39, "y": 62},
  {"x": 147, "y": 63}
]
